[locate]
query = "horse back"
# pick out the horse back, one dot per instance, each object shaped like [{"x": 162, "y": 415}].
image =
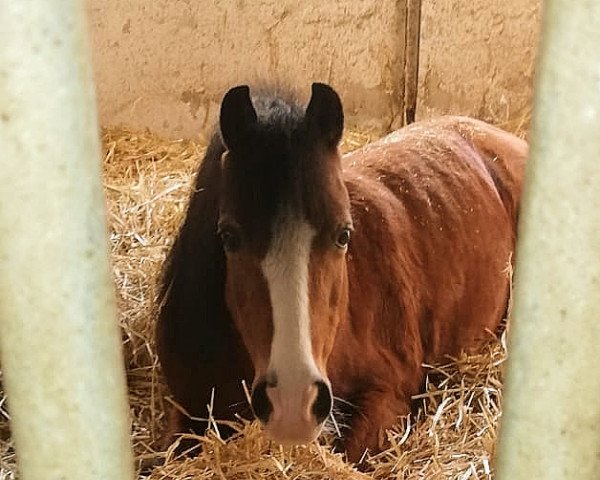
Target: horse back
[
  {"x": 435, "y": 209},
  {"x": 502, "y": 153}
]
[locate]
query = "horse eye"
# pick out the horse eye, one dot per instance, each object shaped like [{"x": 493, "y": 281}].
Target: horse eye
[
  {"x": 230, "y": 239},
  {"x": 343, "y": 238}
]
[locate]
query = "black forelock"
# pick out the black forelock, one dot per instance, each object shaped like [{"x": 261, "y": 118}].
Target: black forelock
[
  {"x": 273, "y": 156},
  {"x": 280, "y": 167},
  {"x": 278, "y": 110}
]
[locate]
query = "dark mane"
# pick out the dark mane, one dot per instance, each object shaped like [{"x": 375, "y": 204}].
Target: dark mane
[{"x": 195, "y": 335}]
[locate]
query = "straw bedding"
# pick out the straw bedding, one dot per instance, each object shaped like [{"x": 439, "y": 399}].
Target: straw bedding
[{"x": 146, "y": 182}]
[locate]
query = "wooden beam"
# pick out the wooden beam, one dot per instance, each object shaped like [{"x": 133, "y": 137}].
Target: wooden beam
[{"x": 411, "y": 59}]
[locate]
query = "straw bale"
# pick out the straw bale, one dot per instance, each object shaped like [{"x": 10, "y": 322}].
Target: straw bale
[{"x": 146, "y": 182}]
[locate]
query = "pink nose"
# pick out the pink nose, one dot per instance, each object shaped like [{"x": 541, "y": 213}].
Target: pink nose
[{"x": 292, "y": 415}]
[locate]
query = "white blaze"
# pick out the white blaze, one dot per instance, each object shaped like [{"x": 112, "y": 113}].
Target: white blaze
[{"x": 286, "y": 270}]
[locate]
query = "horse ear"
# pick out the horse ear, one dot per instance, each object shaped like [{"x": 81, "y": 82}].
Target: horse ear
[
  {"x": 325, "y": 114},
  {"x": 237, "y": 116}
]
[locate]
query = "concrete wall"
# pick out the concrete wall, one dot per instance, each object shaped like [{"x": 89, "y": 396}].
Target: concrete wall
[
  {"x": 165, "y": 64},
  {"x": 477, "y": 58}
]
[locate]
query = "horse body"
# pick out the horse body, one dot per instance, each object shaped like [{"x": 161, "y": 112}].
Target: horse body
[
  {"x": 433, "y": 209},
  {"x": 428, "y": 263}
]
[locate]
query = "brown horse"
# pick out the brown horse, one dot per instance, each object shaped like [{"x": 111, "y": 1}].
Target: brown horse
[{"x": 318, "y": 275}]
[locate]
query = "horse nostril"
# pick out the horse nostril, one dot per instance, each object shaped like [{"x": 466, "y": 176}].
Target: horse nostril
[
  {"x": 323, "y": 403},
  {"x": 261, "y": 405}
]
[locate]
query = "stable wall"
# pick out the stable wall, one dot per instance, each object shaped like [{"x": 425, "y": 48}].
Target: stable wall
[
  {"x": 477, "y": 58},
  {"x": 166, "y": 64}
]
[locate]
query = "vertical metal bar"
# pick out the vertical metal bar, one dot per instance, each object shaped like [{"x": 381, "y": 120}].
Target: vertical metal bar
[
  {"x": 551, "y": 421},
  {"x": 59, "y": 337}
]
